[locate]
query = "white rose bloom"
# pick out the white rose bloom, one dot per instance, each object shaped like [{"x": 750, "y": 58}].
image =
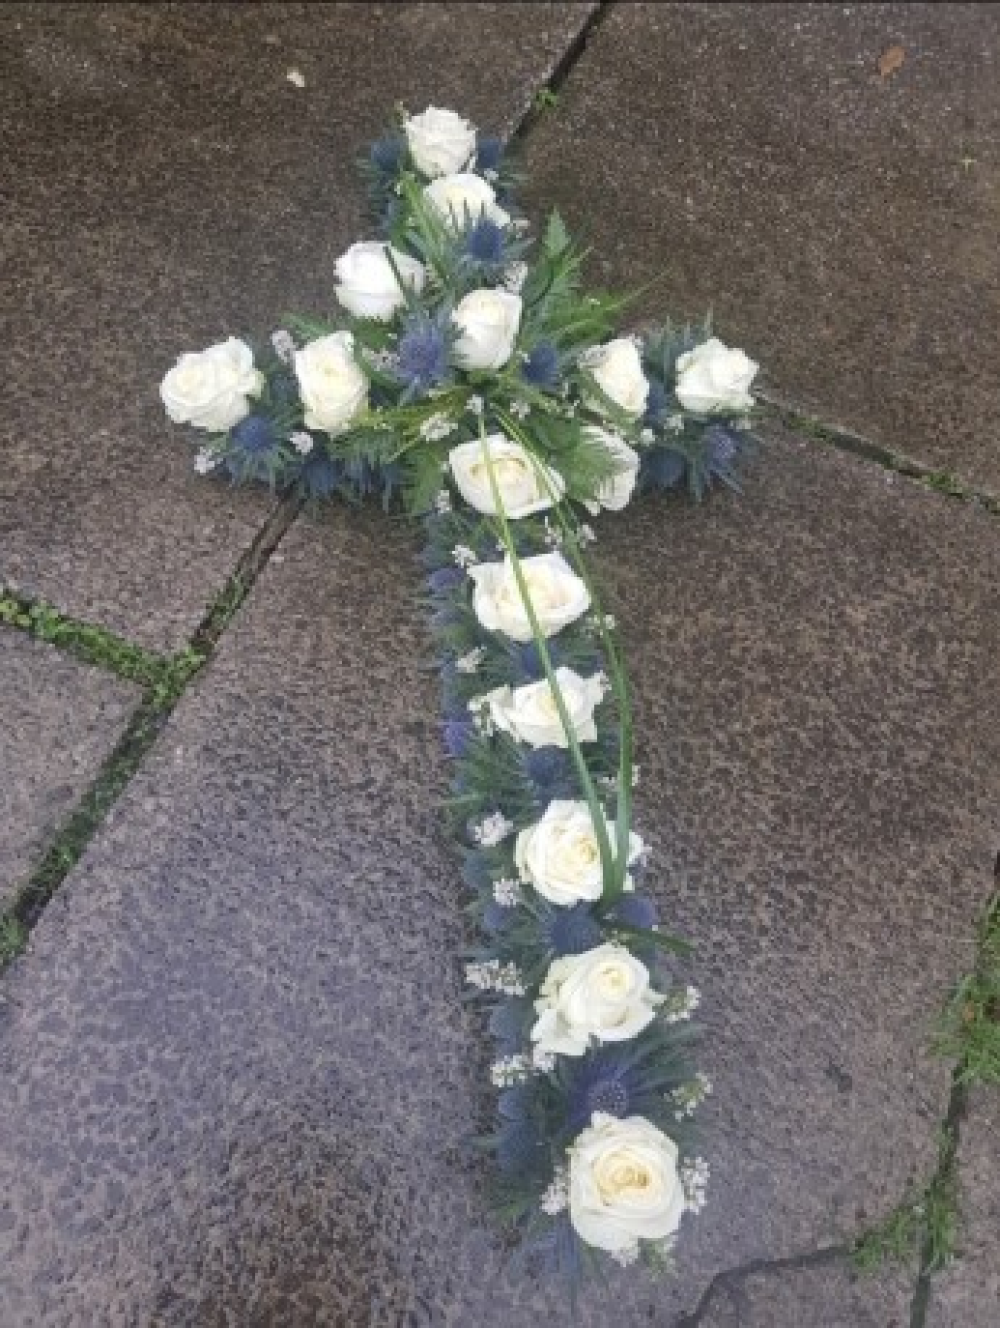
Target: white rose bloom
[
  {"x": 560, "y": 855},
  {"x": 530, "y": 714},
  {"x": 488, "y": 321},
  {"x": 713, "y": 378},
  {"x": 332, "y": 386},
  {"x": 558, "y": 596},
  {"x": 210, "y": 389},
  {"x": 440, "y": 141},
  {"x": 617, "y": 370},
  {"x": 366, "y": 284},
  {"x": 624, "y": 1184},
  {"x": 615, "y": 493},
  {"x": 525, "y": 484},
  {"x": 602, "y": 995},
  {"x": 457, "y": 198}
]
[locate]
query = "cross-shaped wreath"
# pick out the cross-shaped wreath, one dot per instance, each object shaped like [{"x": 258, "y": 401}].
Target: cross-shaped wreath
[{"x": 468, "y": 373}]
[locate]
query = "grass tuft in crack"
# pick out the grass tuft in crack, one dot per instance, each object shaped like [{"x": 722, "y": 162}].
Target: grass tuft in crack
[
  {"x": 164, "y": 679},
  {"x": 969, "y": 1029},
  {"x": 924, "y": 1226}
]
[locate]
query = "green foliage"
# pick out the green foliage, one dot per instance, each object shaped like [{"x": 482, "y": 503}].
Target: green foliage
[
  {"x": 13, "y": 938},
  {"x": 969, "y": 1028}
]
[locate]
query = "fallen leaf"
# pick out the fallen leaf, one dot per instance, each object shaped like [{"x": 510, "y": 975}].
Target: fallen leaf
[{"x": 890, "y": 60}]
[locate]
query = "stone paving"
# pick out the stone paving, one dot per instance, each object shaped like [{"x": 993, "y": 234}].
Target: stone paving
[
  {"x": 59, "y": 719},
  {"x": 235, "y": 1072}
]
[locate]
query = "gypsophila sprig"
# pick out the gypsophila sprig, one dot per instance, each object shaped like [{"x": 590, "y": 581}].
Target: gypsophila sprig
[{"x": 468, "y": 375}]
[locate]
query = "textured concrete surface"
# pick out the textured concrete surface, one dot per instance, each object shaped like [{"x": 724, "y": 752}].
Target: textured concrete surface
[
  {"x": 842, "y": 224},
  {"x": 59, "y": 719},
  {"x": 235, "y": 1073},
  {"x": 167, "y": 186},
  {"x": 826, "y": 1296},
  {"x": 967, "y": 1295}
]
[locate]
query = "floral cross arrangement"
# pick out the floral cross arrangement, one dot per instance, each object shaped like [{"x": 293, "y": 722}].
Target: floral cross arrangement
[{"x": 467, "y": 372}]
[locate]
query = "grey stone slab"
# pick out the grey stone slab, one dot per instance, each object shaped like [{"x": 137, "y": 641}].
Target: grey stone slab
[
  {"x": 59, "y": 719},
  {"x": 235, "y": 1072},
  {"x": 167, "y": 186},
  {"x": 829, "y": 1295},
  {"x": 967, "y": 1294},
  {"x": 842, "y": 225}
]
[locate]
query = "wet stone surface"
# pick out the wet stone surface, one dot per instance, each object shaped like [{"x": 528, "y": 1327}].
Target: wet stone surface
[
  {"x": 235, "y": 1072},
  {"x": 168, "y": 186},
  {"x": 841, "y": 225},
  {"x": 967, "y": 1295},
  {"x": 59, "y": 719}
]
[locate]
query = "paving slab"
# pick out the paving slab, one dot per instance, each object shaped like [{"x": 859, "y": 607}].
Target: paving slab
[
  {"x": 967, "y": 1294},
  {"x": 842, "y": 224},
  {"x": 59, "y": 719},
  {"x": 235, "y": 1072},
  {"x": 167, "y": 186},
  {"x": 829, "y": 1295}
]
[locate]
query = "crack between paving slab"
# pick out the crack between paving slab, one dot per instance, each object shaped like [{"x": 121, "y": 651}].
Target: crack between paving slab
[
  {"x": 844, "y": 440},
  {"x": 944, "y": 1181},
  {"x": 731, "y": 1277},
  {"x": 166, "y": 679},
  {"x": 547, "y": 93}
]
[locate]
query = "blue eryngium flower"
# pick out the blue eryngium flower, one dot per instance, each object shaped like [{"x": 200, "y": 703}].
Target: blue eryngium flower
[
  {"x": 489, "y": 153},
  {"x": 423, "y": 352},
  {"x": 662, "y": 468},
  {"x": 318, "y": 476},
  {"x": 387, "y": 153},
  {"x": 571, "y": 931},
  {"x": 541, "y": 368},
  {"x": 656, "y": 402},
  {"x": 484, "y": 242},
  {"x": 254, "y": 435},
  {"x": 721, "y": 448},
  {"x": 603, "y": 1081},
  {"x": 635, "y": 910}
]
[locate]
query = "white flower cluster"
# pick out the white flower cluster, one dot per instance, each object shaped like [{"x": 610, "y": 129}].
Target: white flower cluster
[
  {"x": 507, "y": 893},
  {"x": 470, "y": 662},
  {"x": 555, "y": 1198},
  {"x": 492, "y": 830},
  {"x": 491, "y": 975},
  {"x": 689, "y": 1097},
  {"x": 682, "y": 1006},
  {"x": 436, "y": 427},
  {"x": 694, "y": 1179},
  {"x": 510, "y": 1070}
]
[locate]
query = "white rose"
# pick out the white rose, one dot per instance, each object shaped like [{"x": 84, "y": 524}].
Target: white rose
[
  {"x": 558, "y": 596},
  {"x": 210, "y": 388},
  {"x": 366, "y": 284},
  {"x": 530, "y": 714},
  {"x": 712, "y": 377},
  {"x": 440, "y": 141},
  {"x": 488, "y": 320},
  {"x": 332, "y": 386},
  {"x": 602, "y": 995},
  {"x": 525, "y": 485},
  {"x": 617, "y": 370},
  {"x": 560, "y": 855},
  {"x": 624, "y": 1184},
  {"x": 457, "y": 198},
  {"x": 614, "y": 493}
]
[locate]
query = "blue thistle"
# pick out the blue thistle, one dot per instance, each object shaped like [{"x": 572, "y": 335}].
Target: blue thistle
[
  {"x": 489, "y": 153},
  {"x": 484, "y": 243},
  {"x": 662, "y": 468},
  {"x": 509, "y": 1020},
  {"x": 386, "y": 154},
  {"x": 255, "y": 435},
  {"x": 518, "y": 1146},
  {"x": 541, "y": 368},
  {"x": 603, "y": 1081},
  {"x": 445, "y": 579},
  {"x": 318, "y": 476},
  {"x": 635, "y": 911},
  {"x": 656, "y": 402},
  {"x": 571, "y": 931},
  {"x": 550, "y": 770},
  {"x": 423, "y": 352},
  {"x": 721, "y": 448}
]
